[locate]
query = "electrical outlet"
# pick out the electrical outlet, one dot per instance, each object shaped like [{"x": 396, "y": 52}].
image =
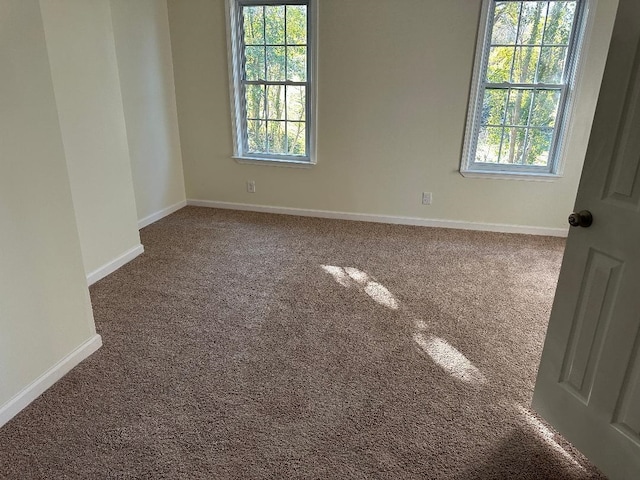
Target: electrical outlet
[
  {"x": 251, "y": 186},
  {"x": 426, "y": 198}
]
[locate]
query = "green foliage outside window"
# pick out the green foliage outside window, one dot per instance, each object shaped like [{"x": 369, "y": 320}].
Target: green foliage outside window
[
  {"x": 275, "y": 61},
  {"x": 525, "y": 76}
]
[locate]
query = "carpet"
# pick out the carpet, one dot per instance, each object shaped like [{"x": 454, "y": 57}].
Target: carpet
[{"x": 256, "y": 346}]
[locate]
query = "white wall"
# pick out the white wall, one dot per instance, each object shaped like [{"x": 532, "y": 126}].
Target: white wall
[
  {"x": 80, "y": 43},
  {"x": 45, "y": 313},
  {"x": 143, "y": 47},
  {"x": 394, "y": 79}
]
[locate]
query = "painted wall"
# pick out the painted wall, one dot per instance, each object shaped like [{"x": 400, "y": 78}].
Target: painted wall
[
  {"x": 143, "y": 49},
  {"x": 394, "y": 81},
  {"x": 80, "y": 43},
  {"x": 45, "y": 311}
]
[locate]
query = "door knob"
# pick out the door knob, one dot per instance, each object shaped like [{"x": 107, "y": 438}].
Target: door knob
[{"x": 581, "y": 219}]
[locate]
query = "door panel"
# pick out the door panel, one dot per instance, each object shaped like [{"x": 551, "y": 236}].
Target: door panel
[
  {"x": 588, "y": 383},
  {"x": 627, "y": 415},
  {"x": 597, "y": 296},
  {"x": 623, "y": 183}
]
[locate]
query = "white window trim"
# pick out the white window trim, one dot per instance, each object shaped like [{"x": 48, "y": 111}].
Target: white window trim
[
  {"x": 566, "y": 117},
  {"x": 235, "y": 71}
]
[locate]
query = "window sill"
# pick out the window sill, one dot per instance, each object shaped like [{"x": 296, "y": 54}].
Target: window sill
[
  {"x": 274, "y": 163},
  {"x": 504, "y": 175}
]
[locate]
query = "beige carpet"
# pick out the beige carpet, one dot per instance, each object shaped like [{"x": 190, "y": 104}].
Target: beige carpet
[{"x": 244, "y": 345}]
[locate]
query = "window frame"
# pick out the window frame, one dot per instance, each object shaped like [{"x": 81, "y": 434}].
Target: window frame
[
  {"x": 235, "y": 39},
  {"x": 468, "y": 166}
]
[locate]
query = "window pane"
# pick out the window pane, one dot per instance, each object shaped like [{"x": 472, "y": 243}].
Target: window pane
[
  {"x": 530, "y": 48},
  {"x": 524, "y": 68},
  {"x": 545, "y": 108},
  {"x": 499, "y": 68},
  {"x": 560, "y": 23},
  {"x": 297, "y": 64},
  {"x": 296, "y": 103},
  {"x": 270, "y": 78},
  {"x": 493, "y": 107},
  {"x": 276, "y": 137},
  {"x": 296, "y": 24},
  {"x": 519, "y": 105},
  {"x": 257, "y": 136},
  {"x": 513, "y": 145},
  {"x": 539, "y": 145},
  {"x": 488, "y": 144},
  {"x": 275, "y": 64},
  {"x": 254, "y": 63},
  {"x": 254, "y": 97},
  {"x": 253, "y": 25},
  {"x": 275, "y": 102},
  {"x": 296, "y": 134},
  {"x": 274, "y": 24},
  {"x": 532, "y": 23},
  {"x": 505, "y": 23},
  {"x": 552, "y": 62}
]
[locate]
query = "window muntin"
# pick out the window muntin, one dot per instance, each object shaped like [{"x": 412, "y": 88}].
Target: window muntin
[
  {"x": 272, "y": 52},
  {"x": 519, "y": 107}
]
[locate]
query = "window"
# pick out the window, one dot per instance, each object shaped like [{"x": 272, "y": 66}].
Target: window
[
  {"x": 272, "y": 65},
  {"x": 523, "y": 81}
]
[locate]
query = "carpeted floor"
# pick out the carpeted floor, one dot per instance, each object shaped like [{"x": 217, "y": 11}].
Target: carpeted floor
[{"x": 245, "y": 345}]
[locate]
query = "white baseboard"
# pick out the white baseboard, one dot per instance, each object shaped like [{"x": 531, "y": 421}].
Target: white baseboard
[
  {"x": 47, "y": 379},
  {"x": 367, "y": 217},
  {"x": 154, "y": 217},
  {"x": 114, "y": 264}
]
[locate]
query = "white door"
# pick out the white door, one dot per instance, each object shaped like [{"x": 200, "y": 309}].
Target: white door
[{"x": 588, "y": 385}]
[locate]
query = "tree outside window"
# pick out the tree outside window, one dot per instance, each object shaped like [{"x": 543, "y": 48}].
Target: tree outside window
[
  {"x": 525, "y": 73},
  {"x": 273, "y": 87}
]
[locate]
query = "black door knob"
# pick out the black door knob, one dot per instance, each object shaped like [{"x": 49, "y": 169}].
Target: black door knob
[{"x": 581, "y": 219}]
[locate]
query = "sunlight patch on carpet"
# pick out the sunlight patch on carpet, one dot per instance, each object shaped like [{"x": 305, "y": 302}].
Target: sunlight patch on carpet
[
  {"x": 350, "y": 276},
  {"x": 381, "y": 295},
  {"x": 421, "y": 325},
  {"x": 546, "y": 434},
  {"x": 339, "y": 275},
  {"x": 450, "y": 359},
  {"x": 357, "y": 275}
]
